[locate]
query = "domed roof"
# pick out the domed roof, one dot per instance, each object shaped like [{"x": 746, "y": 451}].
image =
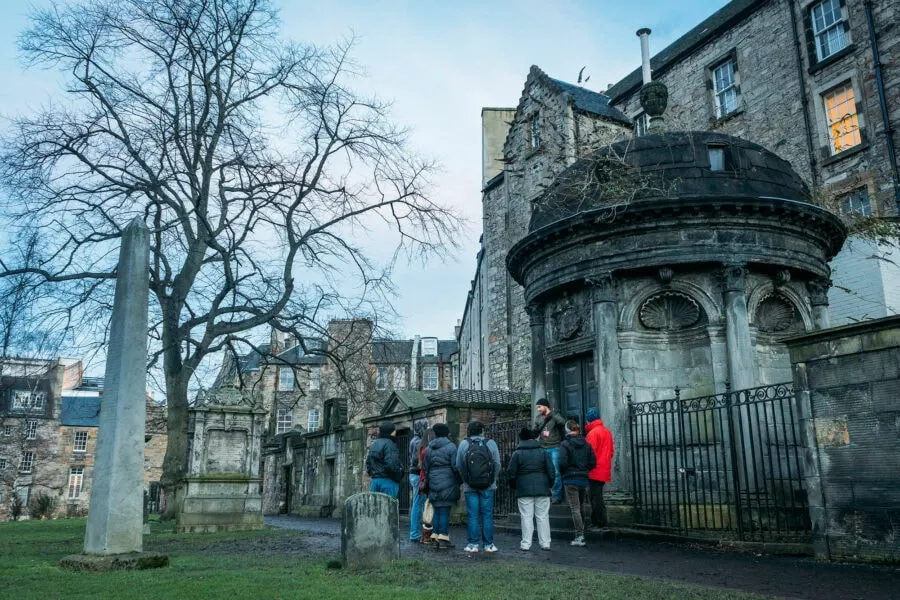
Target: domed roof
[{"x": 685, "y": 164}]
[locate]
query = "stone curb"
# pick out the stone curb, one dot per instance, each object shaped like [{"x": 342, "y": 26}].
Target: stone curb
[{"x": 136, "y": 561}]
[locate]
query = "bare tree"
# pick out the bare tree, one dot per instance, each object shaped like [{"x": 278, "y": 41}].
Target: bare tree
[{"x": 259, "y": 170}]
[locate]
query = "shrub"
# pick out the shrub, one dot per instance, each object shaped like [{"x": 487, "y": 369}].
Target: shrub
[
  {"x": 16, "y": 507},
  {"x": 42, "y": 506}
]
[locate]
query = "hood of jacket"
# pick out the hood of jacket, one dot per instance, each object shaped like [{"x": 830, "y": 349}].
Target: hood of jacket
[
  {"x": 576, "y": 441},
  {"x": 419, "y": 428},
  {"x": 594, "y": 424},
  {"x": 438, "y": 443},
  {"x": 528, "y": 444}
]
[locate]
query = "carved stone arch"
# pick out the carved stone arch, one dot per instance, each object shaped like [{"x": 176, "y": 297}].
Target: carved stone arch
[
  {"x": 629, "y": 313},
  {"x": 670, "y": 311},
  {"x": 766, "y": 290}
]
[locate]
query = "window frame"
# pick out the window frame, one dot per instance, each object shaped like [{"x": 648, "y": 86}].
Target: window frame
[
  {"x": 315, "y": 378},
  {"x": 80, "y": 445},
  {"x": 30, "y": 430},
  {"x": 721, "y": 107},
  {"x": 79, "y": 480},
  {"x": 840, "y": 24},
  {"x": 381, "y": 378},
  {"x": 425, "y": 378},
  {"x": 845, "y": 84},
  {"x": 26, "y": 462},
  {"x": 430, "y": 341},
  {"x": 283, "y": 385},
  {"x": 862, "y": 191},
  {"x": 313, "y": 424},
  {"x": 27, "y": 400},
  {"x": 641, "y": 124},
  {"x": 4, "y": 463},
  {"x": 284, "y": 420},
  {"x": 7, "y": 431}
]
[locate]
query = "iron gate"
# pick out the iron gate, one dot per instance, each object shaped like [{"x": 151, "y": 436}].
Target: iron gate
[
  {"x": 726, "y": 463},
  {"x": 506, "y": 435}
]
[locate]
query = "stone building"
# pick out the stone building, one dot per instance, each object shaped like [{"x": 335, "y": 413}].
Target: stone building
[{"x": 49, "y": 415}]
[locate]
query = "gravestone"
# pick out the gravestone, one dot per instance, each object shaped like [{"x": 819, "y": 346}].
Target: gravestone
[
  {"x": 222, "y": 487},
  {"x": 370, "y": 530}
]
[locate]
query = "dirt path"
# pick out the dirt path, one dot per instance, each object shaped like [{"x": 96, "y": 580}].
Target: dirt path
[{"x": 784, "y": 577}]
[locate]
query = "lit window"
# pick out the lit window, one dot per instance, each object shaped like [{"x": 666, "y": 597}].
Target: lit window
[
  {"x": 30, "y": 430},
  {"x": 429, "y": 378},
  {"x": 641, "y": 124},
  {"x": 725, "y": 88},
  {"x": 25, "y": 400},
  {"x": 829, "y": 29},
  {"x": 716, "y": 158},
  {"x": 284, "y": 421},
  {"x": 312, "y": 422},
  {"x": 381, "y": 378},
  {"x": 843, "y": 121},
  {"x": 27, "y": 462},
  {"x": 81, "y": 438},
  {"x": 285, "y": 379},
  {"x": 429, "y": 346},
  {"x": 76, "y": 479},
  {"x": 857, "y": 203},
  {"x": 315, "y": 378},
  {"x": 534, "y": 132},
  {"x": 399, "y": 378}
]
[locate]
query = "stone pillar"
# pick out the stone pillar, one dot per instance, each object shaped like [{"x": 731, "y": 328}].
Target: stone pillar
[
  {"x": 741, "y": 366},
  {"x": 818, "y": 297},
  {"x": 116, "y": 515},
  {"x": 538, "y": 344},
  {"x": 608, "y": 373}
]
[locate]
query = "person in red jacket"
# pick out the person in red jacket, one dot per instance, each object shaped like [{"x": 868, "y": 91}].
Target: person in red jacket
[{"x": 600, "y": 439}]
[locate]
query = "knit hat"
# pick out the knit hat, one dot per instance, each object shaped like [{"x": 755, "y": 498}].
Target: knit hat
[
  {"x": 441, "y": 430},
  {"x": 526, "y": 434},
  {"x": 386, "y": 428},
  {"x": 542, "y": 402},
  {"x": 591, "y": 415}
]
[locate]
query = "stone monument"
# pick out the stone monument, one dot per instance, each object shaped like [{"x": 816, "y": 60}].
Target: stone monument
[
  {"x": 114, "y": 535},
  {"x": 370, "y": 530},
  {"x": 222, "y": 488}
]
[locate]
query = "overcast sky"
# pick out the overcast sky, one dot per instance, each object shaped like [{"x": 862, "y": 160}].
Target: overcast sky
[{"x": 440, "y": 62}]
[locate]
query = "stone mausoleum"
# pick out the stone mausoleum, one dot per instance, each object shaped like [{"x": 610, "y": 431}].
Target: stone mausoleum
[{"x": 691, "y": 283}]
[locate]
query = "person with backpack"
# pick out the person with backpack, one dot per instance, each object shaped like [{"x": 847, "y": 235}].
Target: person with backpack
[
  {"x": 417, "y": 504},
  {"x": 576, "y": 458},
  {"x": 600, "y": 440},
  {"x": 383, "y": 462},
  {"x": 530, "y": 472},
  {"x": 478, "y": 462},
  {"x": 439, "y": 465}
]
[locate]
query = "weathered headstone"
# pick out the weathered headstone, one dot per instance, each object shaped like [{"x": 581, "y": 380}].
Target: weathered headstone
[
  {"x": 116, "y": 514},
  {"x": 370, "y": 530}
]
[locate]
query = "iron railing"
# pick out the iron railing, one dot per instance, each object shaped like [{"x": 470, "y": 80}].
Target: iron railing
[
  {"x": 723, "y": 463},
  {"x": 506, "y": 435}
]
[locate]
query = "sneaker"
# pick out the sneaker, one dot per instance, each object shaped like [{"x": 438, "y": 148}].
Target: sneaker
[
  {"x": 524, "y": 548},
  {"x": 490, "y": 548},
  {"x": 471, "y": 549},
  {"x": 547, "y": 548},
  {"x": 578, "y": 541}
]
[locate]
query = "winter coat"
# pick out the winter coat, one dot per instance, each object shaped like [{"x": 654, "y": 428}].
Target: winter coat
[
  {"x": 600, "y": 439},
  {"x": 383, "y": 460},
  {"x": 532, "y": 469},
  {"x": 550, "y": 430},
  {"x": 461, "y": 460},
  {"x": 576, "y": 458},
  {"x": 440, "y": 472},
  {"x": 415, "y": 445}
]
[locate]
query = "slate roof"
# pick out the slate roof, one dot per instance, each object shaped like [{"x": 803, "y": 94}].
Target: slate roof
[
  {"x": 391, "y": 351},
  {"x": 480, "y": 397},
  {"x": 706, "y": 31},
  {"x": 296, "y": 356},
  {"x": 591, "y": 101},
  {"x": 80, "y": 411},
  {"x": 445, "y": 349},
  {"x": 412, "y": 398}
]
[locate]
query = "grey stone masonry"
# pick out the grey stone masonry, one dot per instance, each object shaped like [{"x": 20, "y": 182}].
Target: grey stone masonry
[
  {"x": 370, "y": 531},
  {"x": 115, "y": 519}
]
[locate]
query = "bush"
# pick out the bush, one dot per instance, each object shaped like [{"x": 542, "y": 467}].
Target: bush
[
  {"x": 16, "y": 507},
  {"x": 42, "y": 506}
]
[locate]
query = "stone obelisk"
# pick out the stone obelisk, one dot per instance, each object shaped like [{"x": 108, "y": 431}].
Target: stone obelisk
[{"x": 115, "y": 518}]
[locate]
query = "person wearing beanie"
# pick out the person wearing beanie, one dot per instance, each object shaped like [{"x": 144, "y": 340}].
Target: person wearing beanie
[
  {"x": 600, "y": 440},
  {"x": 383, "y": 462},
  {"x": 576, "y": 458},
  {"x": 439, "y": 467},
  {"x": 531, "y": 473},
  {"x": 549, "y": 430},
  {"x": 478, "y": 463}
]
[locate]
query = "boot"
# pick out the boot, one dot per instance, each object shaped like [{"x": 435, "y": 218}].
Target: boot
[{"x": 426, "y": 535}]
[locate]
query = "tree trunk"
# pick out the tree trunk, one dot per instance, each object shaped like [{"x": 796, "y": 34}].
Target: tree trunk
[{"x": 175, "y": 461}]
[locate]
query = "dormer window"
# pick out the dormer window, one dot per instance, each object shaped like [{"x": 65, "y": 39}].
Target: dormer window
[{"x": 429, "y": 346}]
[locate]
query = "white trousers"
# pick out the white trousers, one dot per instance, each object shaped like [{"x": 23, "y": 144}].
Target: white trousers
[{"x": 535, "y": 509}]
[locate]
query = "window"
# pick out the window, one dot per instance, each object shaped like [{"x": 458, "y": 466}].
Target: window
[
  {"x": 312, "y": 421},
  {"x": 429, "y": 346},
  {"x": 25, "y": 400},
  {"x": 399, "y": 378},
  {"x": 716, "y": 158},
  {"x": 285, "y": 379},
  {"x": 641, "y": 124},
  {"x": 857, "y": 203},
  {"x": 315, "y": 378},
  {"x": 7, "y": 430},
  {"x": 3, "y": 463},
  {"x": 381, "y": 377},
  {"x": 284, "y": 421},
  {"x": 829, "y": 28},
  {"x": 842, "y": 118},
  {"x": 30, "y": 430},
  {"x": 27, "y": 462},
  {"x": 725, "y": 88},
  {"x": 429, "y": 378},
  {"x": 76, "y": 478},
  {"x": 81, "y": 438},
  {"x": 534, "y": 132}
]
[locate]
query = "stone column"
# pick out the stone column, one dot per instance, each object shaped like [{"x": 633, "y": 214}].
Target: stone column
[
  {"x": 115, "y": 518},
  {"x": 608, "y": 373},
  {"x": 741, "y": 369},
  {"x": 537, "y": 320},
  {"x": 818, "y": 297}
]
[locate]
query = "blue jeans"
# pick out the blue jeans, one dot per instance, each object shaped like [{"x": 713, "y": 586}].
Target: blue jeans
[
  {"x": 557, "y": 481},
  {"x": 441, "y": 521},
  {"x": 415, "y": 509},
  {"x": 385, "y": 486},
  {"x": 480, "y": 509}
]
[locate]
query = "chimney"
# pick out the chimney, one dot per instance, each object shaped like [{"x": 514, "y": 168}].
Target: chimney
[
  {"x": 644, "y": 34},
  {"x": 654, "y": 95},
  {"x": 414, "y": 366},
  {"x": 457, "y": 329}
]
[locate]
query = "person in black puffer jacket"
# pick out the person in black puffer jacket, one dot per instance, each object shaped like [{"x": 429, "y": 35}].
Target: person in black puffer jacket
[
  {"x": 383, "y": 462},
  {"x": 443, "y": 480},
  {"x": 531, "y": 469},
  {"x": 576, "y": 458}
]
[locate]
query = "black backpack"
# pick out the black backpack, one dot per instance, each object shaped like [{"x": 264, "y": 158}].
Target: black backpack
[{"x": 479, "y": 465}]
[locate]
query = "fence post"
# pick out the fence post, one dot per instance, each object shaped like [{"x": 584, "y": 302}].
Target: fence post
[
  {"x": 732, "y": 451},
  {"x": 682, "y": 472},
  {"x": 637, "y": 507}
]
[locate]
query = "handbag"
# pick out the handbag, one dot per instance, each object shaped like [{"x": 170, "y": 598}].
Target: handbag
[{"x": 427, "y": 513}]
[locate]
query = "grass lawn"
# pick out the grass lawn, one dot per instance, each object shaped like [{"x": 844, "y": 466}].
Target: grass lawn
[{"x": 279, "y": 564}]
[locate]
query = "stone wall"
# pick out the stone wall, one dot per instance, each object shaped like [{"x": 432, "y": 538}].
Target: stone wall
[{"x": 847, "y": 380}]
